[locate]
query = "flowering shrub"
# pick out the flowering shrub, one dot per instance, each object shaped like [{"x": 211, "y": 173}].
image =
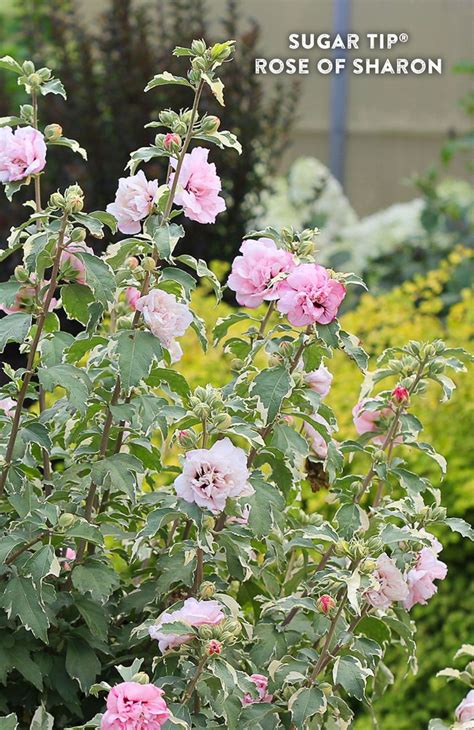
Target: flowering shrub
[{"x": 141, "y": 591}]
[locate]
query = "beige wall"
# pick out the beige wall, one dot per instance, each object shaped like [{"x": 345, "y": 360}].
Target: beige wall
[{"x": 395, "y": 124}]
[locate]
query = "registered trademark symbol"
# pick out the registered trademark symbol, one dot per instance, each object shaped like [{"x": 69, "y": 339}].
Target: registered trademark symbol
[{"x": 403, "y": 37}]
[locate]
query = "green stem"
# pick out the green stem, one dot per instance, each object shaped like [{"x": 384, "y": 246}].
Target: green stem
[{"x": 194, "y": 680}]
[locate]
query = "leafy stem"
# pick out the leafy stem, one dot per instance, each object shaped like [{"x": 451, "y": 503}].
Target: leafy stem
[{"x": 194, "y": 680}]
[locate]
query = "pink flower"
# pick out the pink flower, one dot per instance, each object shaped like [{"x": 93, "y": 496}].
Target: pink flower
[
  {"x": 465, "y": 709},
  {"x": 166, "y": 317},
  {"x": 194, "y": 613},
  {"x": 317, "y": 442},
  {"x": 70, "y": 555},
  {"x": 133, "y": 706},
  {"x": 133, "y": 201},
  {"x": 211, "y": 476},
  {"x": 261, "y": 683},
  {"x": 132, "y": 295},
  {"x": 309, "y": 295},
  {"x": 74, "y": 268},
  {"x": 257, "y": 275},
  {"x": 326, "y": 603},
  {"x": 319, "y": 380},
  {"x": 427, "y": 569},
  {"x": 8, "y": 405},
  {"x": 214, "y": 647},
  {"x": 392, "y": 586},
  {"x": 244, "y": 516},
  {"x": 198, "y": 187},
  {"x": 22, "y": 153},
  {"x": 370, "y": 421}
]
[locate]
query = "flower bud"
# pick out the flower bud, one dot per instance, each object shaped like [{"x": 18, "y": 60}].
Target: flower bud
[
  {"x": 326, "y": 689},
  {"x": 167, "y": 117},
  {"x": 132, "y": 262},
  {"x": 214, "y": 647},
  {"x": 66, "y": 520},
  {"x": 180, "y": 128},
  {"x": 56, "y": 200},
  {"x": 74, "y": 199},
  {"x": 172, "y": 142},
  {"x": 198, "y": 47},
  {"x": 219, "y": 52},
  {"x": 141, "y": 678},
  {"x": 53, "y": 131},
  {"x": 199, "y": 64},
  {"x": 28, "y": 67},
  {"x": 400, "y": 394},
  {"x": 78, "y": 234},
  {"x": 368, "y": 566},
  {"x": 207, "y": 590},
  {"x": 274, "y": 360},
  {"x": 186, "y": 439},
  {"x": 341, "y": 548},
  {"x": 325, "y": 603},
  {"x": 21, "y": 274},
  {"x": 45, "y": 73},
  {"x": 202, "y": 411},
  {"x": 34, "y": 80},
  {"x": 148, "y": 263},
  {"x": 206, "y": 632},
  {"x": 208, "y": 523},
  {"x": 232, "y": 626},
  {"x": 222, "y": 421},
  {"x": 211, "y": 124},
  {"x": 236, "y": 363}
]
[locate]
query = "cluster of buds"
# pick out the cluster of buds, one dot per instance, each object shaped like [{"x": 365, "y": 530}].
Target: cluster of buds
[
  {"x": 206, "y": 404},
  {"x": 205, "y": 59},
  {"x": 33, "y": 78},
  {"x": 302, "y": 243},
  {"x": 71, "y": 202},
  {"x": 226, "y": 632},
  {"x": 325, "y": 604},
  {"x": 357, "y": 549}
]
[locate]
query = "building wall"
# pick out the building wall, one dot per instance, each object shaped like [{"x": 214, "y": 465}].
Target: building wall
[{"x": 395, "y": 124}]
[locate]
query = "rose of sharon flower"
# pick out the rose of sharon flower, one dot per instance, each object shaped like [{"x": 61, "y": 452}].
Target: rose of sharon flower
[
  {"x": 392, "y": 586},
  {"x": 132, "y": 295},
  {"x": 133, "y": 201},
  {"x": 256, "y": 276},
  {"x": 22, "y": 153},
  {"x": 319, "y": 380},
  {"x": 261, "y": 683},
  {"x": 211, "y": 476},
  {"x": 166, "y": 317},
  {"x": 194, "y": 613},
  {"x": 198, "y": 187},
  {"x": 369, "y": 421},
  {"x": 8, "y": 405},
  {"x": 133, "y": 706},
  {"x": 465, "y": 709},
  {"x": 70, "y": 555},
  {"x": 309, "y": 295},
  {"x": 317, "y": 442},
  {"x": 75, "y": 269},
  {"x": 427, "y": 569}
]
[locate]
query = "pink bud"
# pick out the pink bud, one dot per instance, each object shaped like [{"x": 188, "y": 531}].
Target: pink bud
[
  {"x": 132, "y": 295},
  {"x": 400, "y": 394},
  {"x": 172, "y": 142},
  {"x": 214, "y": 647},
  {"x": 325, "y": 603},
  {"x": 132, "y": 262}
]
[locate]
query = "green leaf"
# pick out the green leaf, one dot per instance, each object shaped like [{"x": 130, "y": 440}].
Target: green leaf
[
  {"x": 222, "y": 139},
  {"x": 224, "y": 323},
  {"x": 10, "y": 64},
  {"x": 75, "y": 300},
  {"x": 8, "y": 291},
  {"x": 374, "y": 628},
  {"x": 120, "y": 470},
  {"x": 167, "y": 78},
  {"x": 305, "y": 703},
  {"x": 14, "y": 328},
  {"x": 74, "y": 380},
  {"x": 42, "y": 720},
  {"x": 94, "y": 578},
  {"x": 82, "y": 663},
  {"x": 34, "y": 432},
  {"x": 175, "y": 381},
  {"x": 456, "y": 524},
  {"x": 52, "y": 348},
  {"x": 351, "y": 675},
  {"x": 216, "y": 86},
  {"x": 21, "y": 599},
  {"x": 351, "y": 346},
  {"x": 272, "y": 386},
  {"x": 203, "y": 271},
  {"x": 41, "y": 564},
  {"x": 8, "y": 722},
  {"x": 53, "y": 86},
  {"x": 70, "y": 143},
  {"x": 266, "y": 504},
  {"x": 350, "y": 518},
  {"x": 99, "y": 277},
  {"x": 137, "y": 352},
  {"x": 94, "y": 615}
]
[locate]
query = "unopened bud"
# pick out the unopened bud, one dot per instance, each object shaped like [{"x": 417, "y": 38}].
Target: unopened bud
[
  {"x": 21, "y": 274},
  {"x": 74, "y": 198},
  {"x": 148, "y": 263},
  {"x": 208, "y": 523},
  {"x": 45, "y": 73},
  {"x": 132, "y": 262},
  {"x": 222, "y": 421},
  {"x": 219, "y": 53},
  {"x": 180, "y": 128},
  {"x": 400, "y": 394},
  {"x": 214, "y": 647},
  {"x": 199, "y": 64},
  {"x": 368, "y": 566},
  {"x": 236, "y": 363},
  {"x": 341, "y": 548},
  {"x": 172, "y": 142},
  {"x": 198, "y": 47},
  {"x": 207, "y": 590},
  {"x": 28, "y": 67},
  {"x": 325, "y": 603},
  {"x": 232, "y": 626},
  {"x": 274, "y": 360},
  {"x": 326, "y": 689},
  {"x": 56, "y": 200},
  {"x": 78, "y": 234},
  {"x": 141, "y": 678},
  {"x": 66, "y": 520},
  {"x": 211, "y": 124},
  {"x": 53, "y": 131},
  {"x": 206, "y": 632},
  {"x": 186, "y": 439}
]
